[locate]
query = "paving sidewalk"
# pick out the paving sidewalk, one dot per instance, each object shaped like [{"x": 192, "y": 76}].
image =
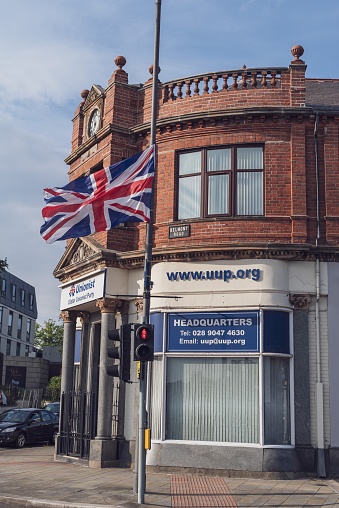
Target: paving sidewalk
[{"x": 31, "y": 478}]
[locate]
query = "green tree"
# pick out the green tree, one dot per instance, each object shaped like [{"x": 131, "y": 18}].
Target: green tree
[
  {"x": 48, "y": 334},
  {"x": 53, "y": 389},
  {"x": 3, "y": 264}
]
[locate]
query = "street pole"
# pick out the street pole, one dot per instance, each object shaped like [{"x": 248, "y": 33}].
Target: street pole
[{"x": 147, "y": 271}]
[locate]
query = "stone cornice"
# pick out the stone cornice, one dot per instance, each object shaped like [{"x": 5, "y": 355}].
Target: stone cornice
[
  {"x": 286, "y": 113},
  {"x": 135, "y": 259},
  {"x": 203, "y": 118},
  {"x": 285, "y": 252}
]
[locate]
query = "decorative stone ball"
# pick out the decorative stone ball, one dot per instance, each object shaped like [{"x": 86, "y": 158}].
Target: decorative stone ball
[
  {"x": 120, "y": 61},
  {"x": 297, "y": 51},
  {"x": 150, "y": 69}
]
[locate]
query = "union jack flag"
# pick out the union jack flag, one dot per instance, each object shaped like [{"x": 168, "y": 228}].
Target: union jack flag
[{"x": 100, "y": 201}]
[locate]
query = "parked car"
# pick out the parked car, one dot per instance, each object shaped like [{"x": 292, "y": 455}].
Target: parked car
[
  {"x": 28, "y": 425},
  {"x": 54, "y": 407}
]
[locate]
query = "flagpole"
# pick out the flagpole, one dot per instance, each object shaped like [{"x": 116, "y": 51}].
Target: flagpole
[{"x": 147, "y": 270}]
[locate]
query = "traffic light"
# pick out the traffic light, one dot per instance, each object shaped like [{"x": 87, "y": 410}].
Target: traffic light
[
  {"x": 143, "y": 343},
  {"x": 122, "y": 370}
]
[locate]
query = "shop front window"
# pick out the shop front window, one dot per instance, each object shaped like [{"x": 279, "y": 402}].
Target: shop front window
[
  {"x": 223, "y": 396},
  {"x": 214, "y": 399},
  {"x": 277, "y": 420}
]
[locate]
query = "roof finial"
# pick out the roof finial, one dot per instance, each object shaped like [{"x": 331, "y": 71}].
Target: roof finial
[
  {"x": 84, "y": 94},
  {"x": 120, "y": 61},
  {"x": 297, "y": 51}
]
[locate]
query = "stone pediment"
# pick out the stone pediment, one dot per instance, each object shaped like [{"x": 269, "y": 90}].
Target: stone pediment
[
  {"x": 96, "y": 92},
  {"x": 79, "y": 255}
]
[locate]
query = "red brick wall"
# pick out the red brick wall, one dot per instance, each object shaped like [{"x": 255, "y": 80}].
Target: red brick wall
[{"x": 274, "y": 117}]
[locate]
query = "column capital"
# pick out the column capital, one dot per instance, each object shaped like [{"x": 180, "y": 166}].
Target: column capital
[
  {"x": 300, "y": 301},
  {"x": 112, "y": 305},
  {"x": 124, "y": 308},
  {"x": 84, "y": 317},
  {"x": 139, "y": 303},
  {"x": 68, "y": 316}
]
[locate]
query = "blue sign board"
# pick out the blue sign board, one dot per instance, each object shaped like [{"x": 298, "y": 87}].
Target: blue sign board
[{"x": 213, "y": 332}]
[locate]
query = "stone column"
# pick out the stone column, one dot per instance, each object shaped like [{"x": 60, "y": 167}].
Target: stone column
[
  {"x": 103, "y": 450},
  {"x": 305, "y": 452},
  {"x": 67, "y": 367},
  {"x": 93, "y": 357},
  {"x": 84, "y": 350},
  {"x": 68, "y": 348}
]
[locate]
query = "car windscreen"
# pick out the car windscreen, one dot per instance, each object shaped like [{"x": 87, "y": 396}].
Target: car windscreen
[
  {"x": 53, "y": 407},
  {"x": 13, "y": 416}
]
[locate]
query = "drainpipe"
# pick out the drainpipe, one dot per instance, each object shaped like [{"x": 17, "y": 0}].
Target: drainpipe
[{"x": 321, "y": 467}]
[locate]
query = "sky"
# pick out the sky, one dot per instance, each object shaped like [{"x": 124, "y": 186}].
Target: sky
[{"x": 51, "y": 50}]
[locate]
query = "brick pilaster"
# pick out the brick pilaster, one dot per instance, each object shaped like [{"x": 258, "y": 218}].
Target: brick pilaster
[
  {"x": 297, "y": 78},
  {"x": 331, "y": 171},
  {"x": 298, "y": 184}
]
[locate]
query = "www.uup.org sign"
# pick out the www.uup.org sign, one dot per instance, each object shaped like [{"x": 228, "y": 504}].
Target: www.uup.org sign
[{"x": 213, "y": 332}]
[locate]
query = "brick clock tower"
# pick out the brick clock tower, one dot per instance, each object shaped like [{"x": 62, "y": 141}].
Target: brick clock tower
[{"x": 244, "y": 271}]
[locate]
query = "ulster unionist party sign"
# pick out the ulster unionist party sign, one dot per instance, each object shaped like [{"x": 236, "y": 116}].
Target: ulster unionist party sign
[{"x": 83, "y": 291}]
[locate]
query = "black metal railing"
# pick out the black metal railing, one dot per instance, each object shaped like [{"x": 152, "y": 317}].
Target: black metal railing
[
  {"x": 77, "y": 424},
  {"x": 115, "y": 408}
]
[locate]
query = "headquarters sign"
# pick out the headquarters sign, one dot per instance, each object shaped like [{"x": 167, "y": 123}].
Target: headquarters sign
[{"x": 213, "y": 332}]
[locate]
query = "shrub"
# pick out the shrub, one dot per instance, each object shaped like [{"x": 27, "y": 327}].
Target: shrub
[{"x": 52, "y": 391}]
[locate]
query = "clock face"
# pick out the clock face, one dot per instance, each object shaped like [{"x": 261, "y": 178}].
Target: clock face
[{"x": 94, "y": 122}]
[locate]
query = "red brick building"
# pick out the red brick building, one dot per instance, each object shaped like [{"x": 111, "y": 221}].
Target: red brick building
[{"x": 244, "y": 273}]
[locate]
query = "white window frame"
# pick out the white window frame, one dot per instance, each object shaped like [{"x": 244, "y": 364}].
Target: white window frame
[
  {"x": 165, "y": 355},
  {"x": 204, "y": 175}
]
